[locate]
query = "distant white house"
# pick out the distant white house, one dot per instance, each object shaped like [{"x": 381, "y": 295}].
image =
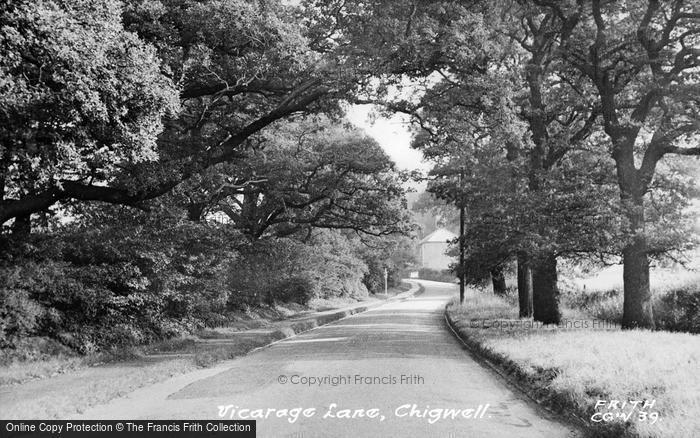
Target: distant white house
[{"x": 432, "y": 249}]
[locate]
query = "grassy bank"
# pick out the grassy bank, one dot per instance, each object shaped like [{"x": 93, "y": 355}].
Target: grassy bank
[
  {"x": 51, "y": 382},
  {"x": 40, "y": 358},
  {"x": 572, "y": 370}
]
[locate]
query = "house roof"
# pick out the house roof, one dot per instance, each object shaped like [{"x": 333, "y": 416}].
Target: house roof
[{"x": 441, "y": 235}]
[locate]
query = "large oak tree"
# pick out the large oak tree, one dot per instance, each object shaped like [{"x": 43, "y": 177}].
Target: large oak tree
[
  {"x": 300, "y": 176},
  {"x": 642, "y": 60},
  {"x": 120, "y": 103}
]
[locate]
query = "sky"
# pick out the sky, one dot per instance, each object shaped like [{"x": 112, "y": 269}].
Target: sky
[{"x": 392, "y": 134}]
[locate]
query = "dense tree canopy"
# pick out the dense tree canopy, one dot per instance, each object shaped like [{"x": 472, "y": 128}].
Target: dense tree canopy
[
  {"x": 196, "y": 113},
  {"x": 80, "y": 97},
  {"x": 231, "y": 84},
  {"x": 553, "y": 88},
  {"x": 303, "y": 175},
  {"x": 221, "y": 121},
  {"x": 642, "y": 60}
]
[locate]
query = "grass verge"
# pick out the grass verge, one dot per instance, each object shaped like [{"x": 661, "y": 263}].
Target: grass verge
[
  {"x": 572, "y": 370},
  {"x": 52, "y": 383},
  {"x": 72, "y": 393}
]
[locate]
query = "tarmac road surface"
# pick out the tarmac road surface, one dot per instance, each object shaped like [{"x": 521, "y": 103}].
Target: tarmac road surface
[{"x": 396, "y": 371}]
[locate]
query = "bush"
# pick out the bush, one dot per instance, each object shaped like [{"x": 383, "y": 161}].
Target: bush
[
  {"x": 268, "y": 268},
  {"x": 113, "y": 286},
  {"x": 19, "y": 315},
  {"x": 299, "y": 289},
  {"x": 393, "y": 254},
  {"x": 434, "y": 275},
  {"x": 33, "y": 349},
  {"x": 259, "y": 275},
  {"x": 601, "y": 304},
  {"x": 679, "y": 310},
  {"x": 674, "y": 309},
  {"x": 130, "y": 281},
  {"x": 335, "y": 266},
  {"x": 374, "y": 278}
]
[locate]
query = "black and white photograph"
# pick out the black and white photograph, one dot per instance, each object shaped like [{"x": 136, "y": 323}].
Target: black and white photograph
[{"x": 350, "y": 218}]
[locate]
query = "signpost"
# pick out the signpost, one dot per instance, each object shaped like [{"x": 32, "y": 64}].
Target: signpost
[{"x": 386, "y": 282}]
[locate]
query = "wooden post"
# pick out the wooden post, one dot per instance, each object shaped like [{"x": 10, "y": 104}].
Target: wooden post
[
  {"x": 461, "y": 240},
  {"x": 386, "y": 283}
]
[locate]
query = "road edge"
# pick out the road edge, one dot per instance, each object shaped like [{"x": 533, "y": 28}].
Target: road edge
[
  {"x": 163, "y": 389},
  {"x": 323, "y": 320}
]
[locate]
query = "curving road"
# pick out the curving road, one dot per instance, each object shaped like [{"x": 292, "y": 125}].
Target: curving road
[{"x": 392, "y": 363}]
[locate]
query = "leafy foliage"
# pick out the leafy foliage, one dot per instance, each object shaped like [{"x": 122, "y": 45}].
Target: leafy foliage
[
  {"x": 111, "y": 286},
  {"x": 301, "y": 175},
  {"x": 79, "y": 94},
  {"x": 272, "y": 270}
]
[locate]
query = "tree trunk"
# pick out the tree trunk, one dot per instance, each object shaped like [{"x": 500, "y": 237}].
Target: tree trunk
[
  {"x": 637, "y": 308},
  {"x": 498, "y": 280},
  {"x": 195, "y": 210},
  {"x": 545, "y": 296},
  {"x": 524, "y": 286},
  {"x": 22, "y": 226}
]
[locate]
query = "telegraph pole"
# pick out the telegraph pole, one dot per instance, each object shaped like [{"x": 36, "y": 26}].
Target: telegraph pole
[{"x": 461, "y": 238}]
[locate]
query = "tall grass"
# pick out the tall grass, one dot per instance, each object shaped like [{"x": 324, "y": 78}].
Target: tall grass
[
  {"x": 676, "y": 298},
  {"x": 576, "y": 368}
]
